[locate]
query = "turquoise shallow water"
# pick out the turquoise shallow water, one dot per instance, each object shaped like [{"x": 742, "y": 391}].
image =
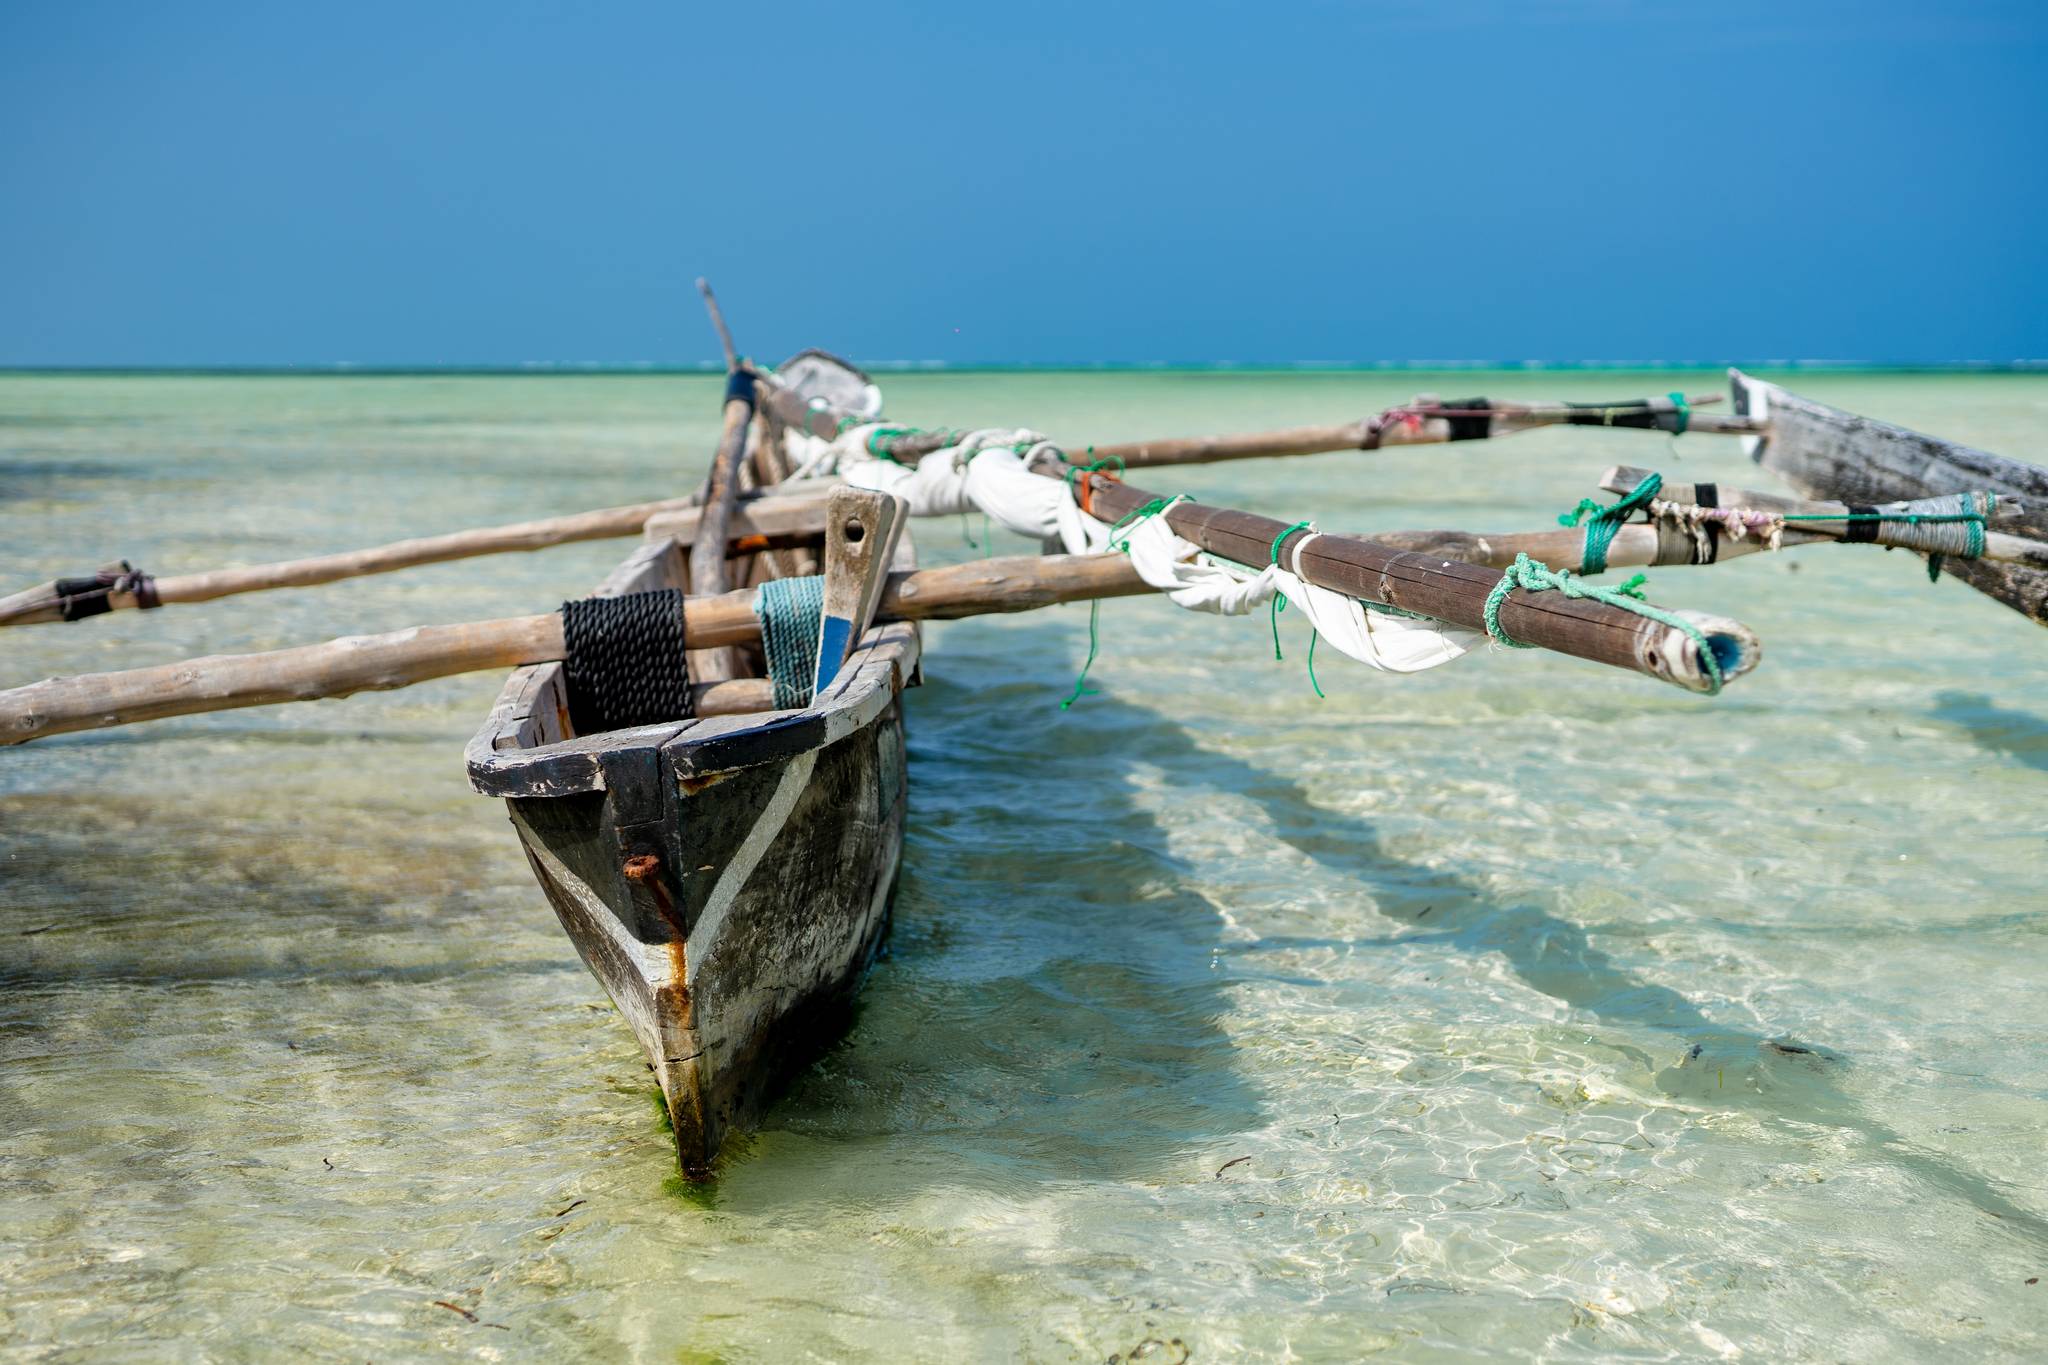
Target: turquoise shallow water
[{"x": 1436, "y": 1018}]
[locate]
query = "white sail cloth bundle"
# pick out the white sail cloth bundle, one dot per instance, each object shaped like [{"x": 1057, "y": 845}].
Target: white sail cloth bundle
[
  {"x": 986, "y": 471},
  {"x": 1378, "y": 638},
  {"x": 989, "y": 471}
]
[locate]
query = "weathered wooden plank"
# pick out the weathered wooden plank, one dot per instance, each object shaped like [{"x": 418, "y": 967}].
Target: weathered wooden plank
[{"x": 860, "y": 538}]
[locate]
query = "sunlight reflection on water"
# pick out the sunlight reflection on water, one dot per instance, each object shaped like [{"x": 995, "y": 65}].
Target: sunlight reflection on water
[{"x": 1523, "y": 1007}]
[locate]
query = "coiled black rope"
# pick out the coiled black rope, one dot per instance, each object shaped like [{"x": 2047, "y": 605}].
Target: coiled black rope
[{"x": 625, "y": 663}]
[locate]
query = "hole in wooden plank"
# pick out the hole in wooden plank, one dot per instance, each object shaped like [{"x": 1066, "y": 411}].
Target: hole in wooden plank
[{"x": 855, "y": 532}]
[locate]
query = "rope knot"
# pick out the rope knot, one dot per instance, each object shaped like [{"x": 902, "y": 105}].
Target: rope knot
[
  {"x": 1533, "y": 575},
  {"x": 1606, "y": 522},
  {"x": 1080, "y": 478}
]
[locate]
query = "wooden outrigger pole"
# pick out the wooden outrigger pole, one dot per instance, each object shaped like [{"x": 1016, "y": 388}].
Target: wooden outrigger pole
[
  {"x": 82, "y": 597},
  {"x": 1426, "y": 583},
  {"x": 1719, "y": 520},
  {"x": 120, "y": 588},
  {"x": 1706, "y": 523},
  {"x": 364, "y": 663},
  {"x": 1426, "y": 421}
]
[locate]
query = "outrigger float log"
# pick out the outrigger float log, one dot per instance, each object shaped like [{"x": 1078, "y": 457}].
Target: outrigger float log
[
  {"x": 1862, "y": 463},
  {"x": 704, "y": 759}
]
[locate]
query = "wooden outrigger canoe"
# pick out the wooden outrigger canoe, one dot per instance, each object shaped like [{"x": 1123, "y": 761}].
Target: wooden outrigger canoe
[
  {"x": 1827, "y": 453},
  {"x": 727, "y": 879}
]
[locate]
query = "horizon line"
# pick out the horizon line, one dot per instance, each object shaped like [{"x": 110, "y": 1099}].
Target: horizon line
[{"x": 344, "y": 368}]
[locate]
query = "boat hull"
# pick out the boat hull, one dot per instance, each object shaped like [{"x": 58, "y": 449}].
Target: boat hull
[
  {"x": 730, "y": 981},
  {"x": 728, "y": 879}
]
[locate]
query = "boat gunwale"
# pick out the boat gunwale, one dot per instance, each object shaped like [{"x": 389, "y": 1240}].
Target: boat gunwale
[{"x": 884, "y": 663}]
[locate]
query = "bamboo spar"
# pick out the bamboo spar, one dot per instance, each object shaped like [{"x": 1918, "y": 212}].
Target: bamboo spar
[{"x": 1422, "y": 422}]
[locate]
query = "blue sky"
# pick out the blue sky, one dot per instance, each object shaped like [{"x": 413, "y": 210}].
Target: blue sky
[{"x": 1553, "y": 180}]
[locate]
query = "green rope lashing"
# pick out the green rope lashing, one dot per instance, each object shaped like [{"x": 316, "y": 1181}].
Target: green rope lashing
[
  {"x": 1094, "y": 641},
  {"x": 881, "y": 442},
  {"x": 1154, "y": 507},
  {"x": 1280, "y": 598},
  {"x": 876, "y": 438},
  {"x": 1976, "y": 513},
  {"x": 1607, "y": 521},
  {"x": 1113, "y": 465},
  {"x": 791, "y": 611},
  {"x": 1684, "y": 418},
  {"x": 1280, "y": 605},
  {"x": 1532, "y": 575}
]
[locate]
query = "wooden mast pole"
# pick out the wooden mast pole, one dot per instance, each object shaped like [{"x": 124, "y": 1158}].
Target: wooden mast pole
[{"x": 708, "y": 574}]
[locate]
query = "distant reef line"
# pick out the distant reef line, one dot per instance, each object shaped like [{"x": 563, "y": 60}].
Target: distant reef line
[{"x": 594, "y": 369}]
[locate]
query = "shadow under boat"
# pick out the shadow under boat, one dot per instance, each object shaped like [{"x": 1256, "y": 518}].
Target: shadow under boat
[
  {"x": 1049, "y": 1002},
  {"x": 1780, "y": 1077},
  {"x": 792, "y": 824},
  {"x": 2018, "y": 735}
]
